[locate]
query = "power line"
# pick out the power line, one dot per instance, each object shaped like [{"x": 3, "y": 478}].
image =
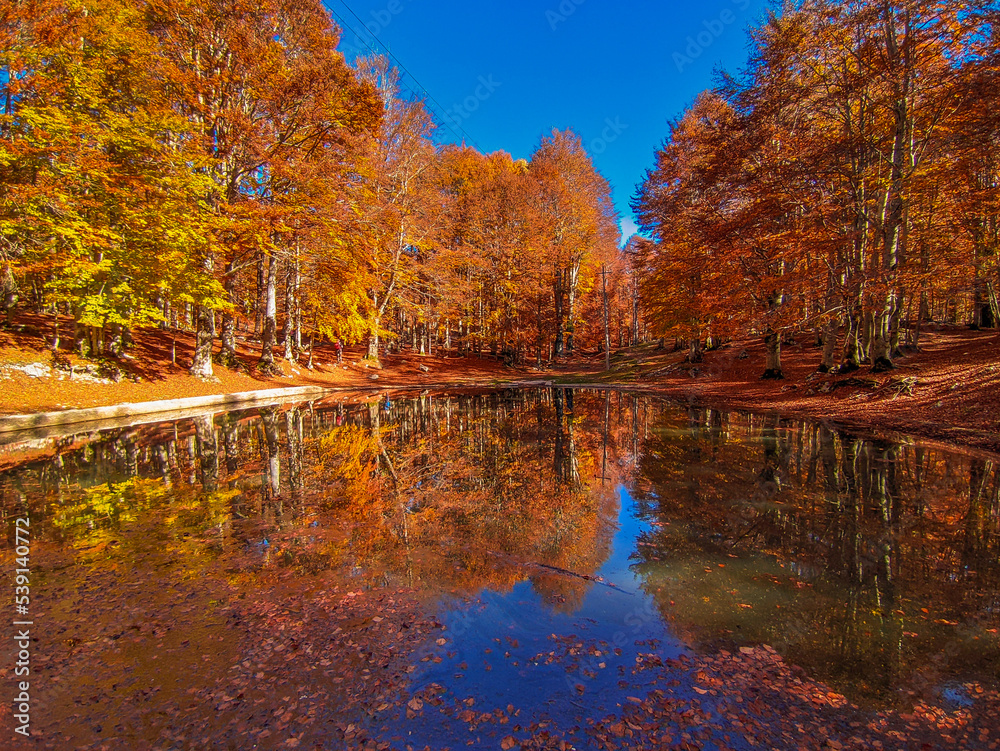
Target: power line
[{"x": 445, "y": 118}]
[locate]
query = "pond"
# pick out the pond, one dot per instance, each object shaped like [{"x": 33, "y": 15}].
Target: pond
[{"x": 526, "y": 568}]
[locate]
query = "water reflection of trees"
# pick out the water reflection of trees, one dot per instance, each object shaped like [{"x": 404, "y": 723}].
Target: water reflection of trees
[
  {"x": 898, "y": 545},
  {"x": 466, "y": 490},
  {"x": 836, "y": 545},
  {"x": 476, "y": 490}
]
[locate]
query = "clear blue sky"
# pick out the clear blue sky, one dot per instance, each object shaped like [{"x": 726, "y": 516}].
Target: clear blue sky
[{"x": 503, "y": 74}]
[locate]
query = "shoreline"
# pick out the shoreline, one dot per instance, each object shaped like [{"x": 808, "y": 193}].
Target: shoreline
[
  {"x": 980, "y": 443},
  {"x": 165, "y": 407},
  {"x": 40, "y": 425},
  {"x": 948, "y": 392}
]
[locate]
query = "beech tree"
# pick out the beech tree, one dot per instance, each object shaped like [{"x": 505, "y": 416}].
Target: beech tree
[
  {"x": 678, "y": 205},
  {"x": 487, "y": 244},
  {"x": 581, "y": 225},
  {"x": 843, "y": 178},
  {"x": 394, "y": 196},
  {"x": 269, "y": 92},
  {"x": 202, "y": 164},
  {"x": 98, "y": 177}
]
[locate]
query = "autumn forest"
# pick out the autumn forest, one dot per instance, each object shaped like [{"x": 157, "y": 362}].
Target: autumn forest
[
  {"x": 845, "y": 184},
  {"x": 324, "y": 426},
  {"x": 219, "y": 165}
]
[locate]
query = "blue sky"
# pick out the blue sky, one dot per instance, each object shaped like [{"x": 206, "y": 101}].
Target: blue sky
[{"x": 503, "y": 74}]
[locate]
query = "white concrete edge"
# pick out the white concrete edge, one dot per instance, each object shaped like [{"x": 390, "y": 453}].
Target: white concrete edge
[
  {"x": 44, "y": 425},
  {"x": 15, "y": 423}
]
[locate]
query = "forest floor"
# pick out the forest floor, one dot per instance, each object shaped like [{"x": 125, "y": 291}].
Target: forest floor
[{"x": 949, "y": 391}]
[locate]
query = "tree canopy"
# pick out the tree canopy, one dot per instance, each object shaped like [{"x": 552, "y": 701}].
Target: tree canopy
[
  {"x": 845, "y": 180},
  {"x": 219, "y": 165}
]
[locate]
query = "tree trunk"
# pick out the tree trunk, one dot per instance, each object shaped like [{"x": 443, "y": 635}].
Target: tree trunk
[
  {"x": 867, "y": 336},
  {"x": 994, "y": 304},
  {"x": 201, "y": 363},
  {"x": 227, "y": 356},
  {"x": 288, "y": 325},
  {"x": 607, "y": 334},
  {"x": 852, "y": 345},
  {"x": 881, "y": 341},
  {"x": 96, "y": 341},
  {"x": 116, "y": 342},
  {"x": 557, "y": 292},
  {"x": 539, "y": 334},
  {"x": 373, "y": 339},
  {"x": 298, "y": 308},
  {"x": 893, "y": 229},
  {"x": 772, "y": 343},
  {"x": 9, "y": 298},
  {"x": 81, "y": 339},
  {"x": 695, "y": 351},
  {"x": 896, "y": 324},
  {"x": 982, "y": 311},
  {"x": 268, "y": 323},
  {"x": 572, "y": 276},
  {"x": 829, "y": 345},
  {"x": 635, "y": 313},
  {"x": 258, "y": 322}
]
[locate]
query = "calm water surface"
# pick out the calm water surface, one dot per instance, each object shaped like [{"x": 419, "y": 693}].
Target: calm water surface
[{"x": 515, "y": 554}]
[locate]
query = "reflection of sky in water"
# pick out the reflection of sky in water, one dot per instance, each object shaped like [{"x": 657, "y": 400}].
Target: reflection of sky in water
[
  {"x": 956, "y": 695},
  {"x": 520, "y": 631},
  {"x": 860, "y": 561}
]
